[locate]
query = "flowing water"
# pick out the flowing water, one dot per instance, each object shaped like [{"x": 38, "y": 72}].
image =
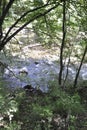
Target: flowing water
[
  {"x": 38, "y": 73},
  {"x": 25, "y": 68}
]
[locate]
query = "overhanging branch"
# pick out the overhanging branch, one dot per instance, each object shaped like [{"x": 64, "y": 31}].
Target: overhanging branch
[
  {"x": 22, "y": 16},
  {"x": 31, "y": 20}
]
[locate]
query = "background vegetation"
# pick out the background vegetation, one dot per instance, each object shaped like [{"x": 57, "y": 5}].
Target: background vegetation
[{"x": 60, "y": 23}]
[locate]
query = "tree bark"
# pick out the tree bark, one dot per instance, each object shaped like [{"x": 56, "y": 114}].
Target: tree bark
[
  {"x": 63, "y": 42},
  {"x": 77, "y": 75}
]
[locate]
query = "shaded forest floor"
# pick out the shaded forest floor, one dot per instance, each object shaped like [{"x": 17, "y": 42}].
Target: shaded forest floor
[{"x": 35, "y": 110}]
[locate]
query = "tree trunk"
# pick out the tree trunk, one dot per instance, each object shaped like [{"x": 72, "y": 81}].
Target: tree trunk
[
  {"x": 77, "y": 75},
  {"x": 63, "y": 42}
]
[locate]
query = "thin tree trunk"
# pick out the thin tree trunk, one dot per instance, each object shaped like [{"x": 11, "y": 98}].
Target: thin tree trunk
[
  {"x": 77, "y": 75},
  {"x": 63, "y": 42},
  {"x": 5, "y": 11},
  {"x": 66, "y": 71}
]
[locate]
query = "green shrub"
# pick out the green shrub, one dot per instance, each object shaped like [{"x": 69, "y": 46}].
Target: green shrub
[
  {"x": 55, "y": 109},
  {"x": 8, "y": 106}
]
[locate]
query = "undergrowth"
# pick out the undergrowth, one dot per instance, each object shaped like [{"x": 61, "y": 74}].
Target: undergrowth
[{"x": 54, "y": 110}]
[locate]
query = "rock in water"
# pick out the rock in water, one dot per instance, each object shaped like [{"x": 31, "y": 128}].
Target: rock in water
[{"x": 24, "y": 70}]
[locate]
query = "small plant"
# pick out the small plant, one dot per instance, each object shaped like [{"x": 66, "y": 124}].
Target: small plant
[
  {"x": 55, "y": 109},
  {"x": 8, "y": 106},
  {"x": 66, "y": 105}
]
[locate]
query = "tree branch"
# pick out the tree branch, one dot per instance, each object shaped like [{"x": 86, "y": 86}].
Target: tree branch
[
  {"x": 18, "y": 20},
  {"x": 5, "y": 11},
  {"x": 31, "y": 20}
]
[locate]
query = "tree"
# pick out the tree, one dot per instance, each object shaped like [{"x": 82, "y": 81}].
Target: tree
[
  {"x": 63, "y": 41},
  {"x": 70, "y": 16}
]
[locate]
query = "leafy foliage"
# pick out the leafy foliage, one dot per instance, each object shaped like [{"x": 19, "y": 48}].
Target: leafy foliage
[
  {"x": 27, "y": 110},
  {"x": 50, "y": 20},
  {"x": 8, "y": 106}
]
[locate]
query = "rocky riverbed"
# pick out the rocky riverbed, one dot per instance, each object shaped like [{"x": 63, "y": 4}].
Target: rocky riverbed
[
  {"x": 38, "y": 73},
  {"x": 32, "y": 63}
]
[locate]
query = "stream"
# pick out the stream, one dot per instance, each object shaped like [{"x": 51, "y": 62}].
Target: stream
[{"x": 38, "y": 73}]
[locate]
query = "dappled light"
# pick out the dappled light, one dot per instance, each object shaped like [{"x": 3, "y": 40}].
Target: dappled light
[{"x": 43, "y": 65}]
